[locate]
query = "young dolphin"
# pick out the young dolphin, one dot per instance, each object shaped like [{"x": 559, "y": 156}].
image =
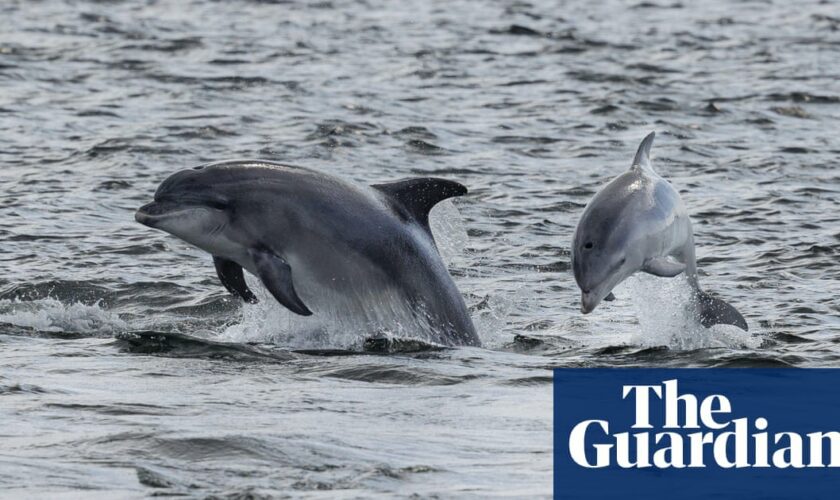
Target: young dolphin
[
  {"x": 638, "y": 222},
  {"x": 320, "y": 245}
]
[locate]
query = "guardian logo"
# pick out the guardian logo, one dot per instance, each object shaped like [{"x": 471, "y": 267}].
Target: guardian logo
[
  {"x": 696, "y": 433},
  {"x": 706, "y": 419}
]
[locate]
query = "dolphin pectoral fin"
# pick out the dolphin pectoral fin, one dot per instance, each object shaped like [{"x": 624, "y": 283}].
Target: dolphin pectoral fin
[
  {"x": 713, "y": 311},
  {"x": 419, "y": 195},
  {"x": 276, "y": 275},
  {"x": 230, "y": 274},
  {"x": 610, "y": 297},
  {"x": 664, "y": 267}
]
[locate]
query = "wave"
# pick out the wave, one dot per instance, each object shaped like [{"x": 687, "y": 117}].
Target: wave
[{"x": 50, "y": 315}]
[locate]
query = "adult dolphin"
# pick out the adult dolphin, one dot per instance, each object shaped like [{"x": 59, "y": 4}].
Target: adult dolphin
[
  {"x": 320, "y": 245},
  {"x": 637, "y": 222}
]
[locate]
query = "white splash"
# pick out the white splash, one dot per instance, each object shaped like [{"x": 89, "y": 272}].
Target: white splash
[
  {"x": 269, "y": 322},
  {"x": 663, "y": 306},
  {"x": 492, "y": 314},
  {"x": 450, "y": 233},
  {"x": 51, "y": 315},
  {"x": 345, "y": 325}
]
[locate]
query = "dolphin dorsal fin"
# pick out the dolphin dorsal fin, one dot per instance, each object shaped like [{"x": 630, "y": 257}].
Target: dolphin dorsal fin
[
  {"x": 642, "y": 158},
  {"x": 418, "y": 196}
]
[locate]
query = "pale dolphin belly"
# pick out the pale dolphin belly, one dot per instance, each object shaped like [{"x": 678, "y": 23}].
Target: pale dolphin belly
[{"x": 669, "y": 228}]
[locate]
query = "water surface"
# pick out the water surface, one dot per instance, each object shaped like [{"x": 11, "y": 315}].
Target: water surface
[{"x": 533, "y": 105}]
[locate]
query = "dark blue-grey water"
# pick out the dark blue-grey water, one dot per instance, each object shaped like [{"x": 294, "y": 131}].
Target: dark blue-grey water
[{"x": 531, "y": 104}]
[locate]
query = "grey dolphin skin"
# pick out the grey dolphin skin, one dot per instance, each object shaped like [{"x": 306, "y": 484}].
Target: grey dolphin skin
[
  {"x": 320, "y": 245},
  {"x": 637, "y": 222}
]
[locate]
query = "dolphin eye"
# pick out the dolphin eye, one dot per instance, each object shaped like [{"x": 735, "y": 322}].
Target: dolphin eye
[
  {"x": 588, "y": 245},
  {"x": 217, "y": 204}
]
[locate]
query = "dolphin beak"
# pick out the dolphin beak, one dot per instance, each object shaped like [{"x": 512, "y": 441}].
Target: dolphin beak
[
  {"x": 150, "y": 213},
  {"x": 143, "y": 215},
  {"x": 588, "y": 302}
]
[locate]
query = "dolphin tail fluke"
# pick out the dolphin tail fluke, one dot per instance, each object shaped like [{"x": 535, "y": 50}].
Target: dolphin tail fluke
[
  {"x": 642, "y": 158},
  {"x": 713, "y": 311}
]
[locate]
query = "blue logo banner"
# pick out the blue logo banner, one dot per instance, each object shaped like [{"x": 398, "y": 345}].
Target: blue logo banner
[{"x": 696, "y": 433}]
